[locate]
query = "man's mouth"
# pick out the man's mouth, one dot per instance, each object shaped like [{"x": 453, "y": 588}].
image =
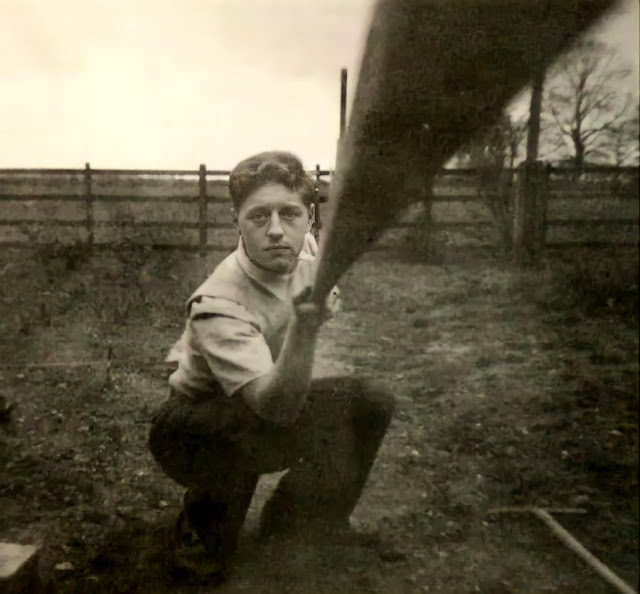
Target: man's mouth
[{"x": 277, "y": 248}]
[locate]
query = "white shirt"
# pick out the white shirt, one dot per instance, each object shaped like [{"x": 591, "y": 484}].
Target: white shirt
[{"x": 233, "y": 339}]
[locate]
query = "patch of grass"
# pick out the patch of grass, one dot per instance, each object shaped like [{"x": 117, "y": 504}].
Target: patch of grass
[
  {"x": 64, "y": 256},
  {"x": 594, "y": 282}
]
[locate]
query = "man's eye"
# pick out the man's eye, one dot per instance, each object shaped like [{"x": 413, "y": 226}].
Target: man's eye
[
  {"x": 259, "y": 216},
  {"x": 290, "y": 214}
]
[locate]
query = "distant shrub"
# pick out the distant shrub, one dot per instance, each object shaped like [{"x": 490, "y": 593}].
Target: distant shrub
[
  {"x": 598, "y": 281},
  {"x": 70, "y": 256}
]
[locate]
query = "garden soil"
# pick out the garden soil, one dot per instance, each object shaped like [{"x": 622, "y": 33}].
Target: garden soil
[{"x": 508, "y": 394}]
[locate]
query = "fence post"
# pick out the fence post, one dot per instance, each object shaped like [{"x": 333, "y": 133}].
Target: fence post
[
  {"x": 316, "y": 203},
  {"x": 424, "y": 233},
  {"x": 88, "y": 201},
  {"x": 418, "y": 243},
  {"x": 530, "y": 212},
  {"x": 343, "y": 100},
  {"x": 202, "y": 202},
  {"x": 541, "y": 212}
]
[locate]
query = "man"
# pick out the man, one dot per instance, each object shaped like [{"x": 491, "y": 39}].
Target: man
[{"x": 242, "y": 399}]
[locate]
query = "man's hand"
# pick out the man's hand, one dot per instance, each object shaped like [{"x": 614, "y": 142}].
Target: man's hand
[
  {"x": 334, "y": 303},
  {"x": 309, "y": 315}
]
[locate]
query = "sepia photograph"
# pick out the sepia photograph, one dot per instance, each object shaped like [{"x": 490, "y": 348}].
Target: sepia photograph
[{"x": 319, "y": 297}]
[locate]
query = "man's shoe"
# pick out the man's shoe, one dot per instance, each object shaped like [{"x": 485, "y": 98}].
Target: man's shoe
[
  {"x": 184, "y": 533},
  {"x": 193, "y": 565}
]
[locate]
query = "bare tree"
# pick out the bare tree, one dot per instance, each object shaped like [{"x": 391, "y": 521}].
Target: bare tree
[
  {"x": 497, "y": 147},
  {"x": 584, "y": 105},
  {"x": 621, "y": 145},
  {"x": 494, "y": 154}
]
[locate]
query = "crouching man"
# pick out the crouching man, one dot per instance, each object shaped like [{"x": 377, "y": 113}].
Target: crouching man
[{"x": 242, "y": 399}]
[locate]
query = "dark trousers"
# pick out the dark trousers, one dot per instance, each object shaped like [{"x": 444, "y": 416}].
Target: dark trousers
[{"x": 217, "y": 447}]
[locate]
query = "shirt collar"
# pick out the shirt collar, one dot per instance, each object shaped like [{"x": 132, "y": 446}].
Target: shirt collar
[{"x": 274, "y": 282}]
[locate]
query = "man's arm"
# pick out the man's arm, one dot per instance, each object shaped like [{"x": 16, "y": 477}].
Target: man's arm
[{"x": 280, "y": 395}]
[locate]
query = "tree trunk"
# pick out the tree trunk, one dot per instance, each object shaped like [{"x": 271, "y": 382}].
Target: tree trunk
[
  {"x": 535, "y": 108},
  {"x": 530, "y": 213},
  {"x": 530, "y": 194},
  {"x": 578, "y": 159}
]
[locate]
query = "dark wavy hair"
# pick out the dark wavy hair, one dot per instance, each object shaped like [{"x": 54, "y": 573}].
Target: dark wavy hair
[{"x": 271, "y": 167}]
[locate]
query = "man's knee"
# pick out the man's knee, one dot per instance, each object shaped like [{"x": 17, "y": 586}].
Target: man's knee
[
  {"x": 167, "y": 444},
  {"x": 157, "y": 439},
  {"x": 379, "y": 399},
  {"x": 373, "y": 404},
  {"x": 367, "y": 403}
]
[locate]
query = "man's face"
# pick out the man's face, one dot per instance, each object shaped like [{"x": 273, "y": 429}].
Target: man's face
[{"x": 273, "y": 221}]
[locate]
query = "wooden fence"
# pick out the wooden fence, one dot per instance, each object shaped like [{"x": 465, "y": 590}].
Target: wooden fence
[
  {"x": 183, "y": 209},
  {"x": 191, "y": 209}
]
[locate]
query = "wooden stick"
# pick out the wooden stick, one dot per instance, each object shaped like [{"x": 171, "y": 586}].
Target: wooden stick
[
  {"x": 567, "y": 538},
  {"x": 571, "y": 542},
  {"x": 531, "y": 509},
  {"x": 72, "y": 364},
  {"x": 51, "y": 364}
]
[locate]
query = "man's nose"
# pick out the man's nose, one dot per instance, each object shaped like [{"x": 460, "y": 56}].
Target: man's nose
[{"x": 275, "y": 229}]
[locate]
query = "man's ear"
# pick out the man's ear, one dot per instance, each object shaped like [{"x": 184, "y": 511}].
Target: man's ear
[
  {"x": 312, "y": 216},
  {"x": 234, "y": 219}
]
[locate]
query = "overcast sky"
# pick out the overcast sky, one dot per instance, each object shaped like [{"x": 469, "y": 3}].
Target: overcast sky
[{"x": 167, "y": 84}]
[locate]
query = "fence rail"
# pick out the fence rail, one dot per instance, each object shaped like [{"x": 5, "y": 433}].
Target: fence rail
[{"x": 191, "y": 209}]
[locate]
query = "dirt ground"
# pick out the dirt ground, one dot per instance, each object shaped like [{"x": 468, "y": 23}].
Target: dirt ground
[{"x": 513, "y": 389}]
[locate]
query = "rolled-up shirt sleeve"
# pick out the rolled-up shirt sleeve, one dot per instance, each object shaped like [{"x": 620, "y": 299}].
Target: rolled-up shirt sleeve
[{"x": 229, "y": 338}]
